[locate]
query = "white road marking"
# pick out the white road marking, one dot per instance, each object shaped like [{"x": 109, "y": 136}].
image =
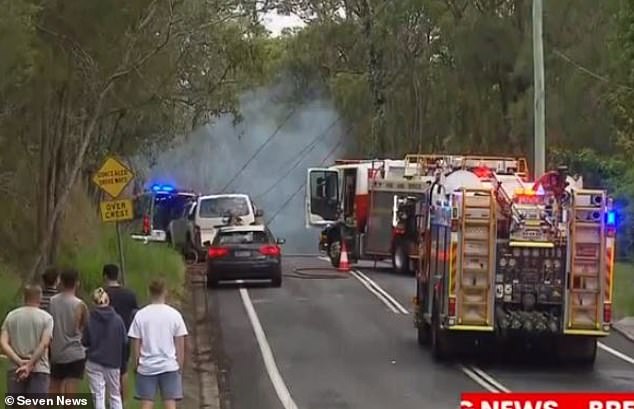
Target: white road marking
[
  {"x": 373, "y": 291},
  {"x": 274, "y": 374},
  {"x": 324, "y": 258},
  {"x": 476, "y": 374},
  {"x": 490, "y": 379},
  {"x": 477, "y": 379},
  {"x": 616, "y": 353},
  {"x": 402, "y": 309}
]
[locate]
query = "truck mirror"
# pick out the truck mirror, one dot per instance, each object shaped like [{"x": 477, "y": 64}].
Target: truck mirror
[{"x": 259, "y": 213}]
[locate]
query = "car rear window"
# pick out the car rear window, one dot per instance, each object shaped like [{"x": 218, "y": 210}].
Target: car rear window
[
  {"x": 224, "y": 207},
  {"x": 242, "y": 237}
]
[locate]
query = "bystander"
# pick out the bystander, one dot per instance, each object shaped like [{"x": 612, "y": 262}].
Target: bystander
[
  {"x": 158, "y": 335},
  {"x": 105, "y": 337},
  {"x": 50, "y": 280},
  {"x": 125, "y": 303},
  {"x": 68, "y": 357},
  {"x": 25, "y": 338}
]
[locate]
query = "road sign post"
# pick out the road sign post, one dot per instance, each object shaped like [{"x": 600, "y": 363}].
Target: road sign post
[{"x": 113, "y": 177}]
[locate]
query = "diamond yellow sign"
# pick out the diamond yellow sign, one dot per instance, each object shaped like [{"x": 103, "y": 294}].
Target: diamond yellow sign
[
  {"x": 113, "y": 177},
  {"x": 116, "y": 210}
]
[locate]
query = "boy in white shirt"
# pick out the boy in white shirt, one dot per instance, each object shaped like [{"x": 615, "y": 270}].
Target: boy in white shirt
[{"x": 158, "y": 335}]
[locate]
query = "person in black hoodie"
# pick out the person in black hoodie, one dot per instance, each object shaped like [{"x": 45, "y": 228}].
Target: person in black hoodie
[{"x": 105, "y": 339}]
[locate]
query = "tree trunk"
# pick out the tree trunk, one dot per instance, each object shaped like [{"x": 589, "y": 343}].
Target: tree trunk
[{"x": 376, "y": 73}]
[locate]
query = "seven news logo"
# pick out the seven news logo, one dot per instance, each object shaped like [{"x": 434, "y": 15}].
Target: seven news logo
[
  {"x": 509, "y": 404},
  {"x": 548, "y": 401}
]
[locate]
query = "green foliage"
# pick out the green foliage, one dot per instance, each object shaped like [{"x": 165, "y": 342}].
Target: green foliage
[
  {"x": 142, "y": 262},
  {"x": 623, "y": 294}
]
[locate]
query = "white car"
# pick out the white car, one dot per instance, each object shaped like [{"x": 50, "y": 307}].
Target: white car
[{"x": 193, "y": 232}]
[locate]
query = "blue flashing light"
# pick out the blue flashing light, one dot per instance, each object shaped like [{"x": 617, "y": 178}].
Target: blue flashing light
[
  {"x": 162, "y": 188},
  {"x": 611, "y": 218}
]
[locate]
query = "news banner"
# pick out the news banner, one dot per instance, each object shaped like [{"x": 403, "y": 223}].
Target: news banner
[
  {"x": 79, "y": 400},
  {"x": 547, "y": 401}
]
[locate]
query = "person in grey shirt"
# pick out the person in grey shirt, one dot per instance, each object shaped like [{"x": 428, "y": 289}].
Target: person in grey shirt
[
  {"x": 25, "y": 338},
  {"x": 68, "y": 355}
]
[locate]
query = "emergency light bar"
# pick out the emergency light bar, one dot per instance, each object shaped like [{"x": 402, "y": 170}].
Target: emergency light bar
[
  {"x": 611, "y": 218},
  {"x": 162, "y": 188}
]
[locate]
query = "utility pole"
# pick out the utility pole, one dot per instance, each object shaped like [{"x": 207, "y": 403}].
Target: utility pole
[{"x": 539, "y": 157}]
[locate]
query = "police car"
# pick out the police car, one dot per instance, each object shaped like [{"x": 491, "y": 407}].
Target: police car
[{"x": 155, "y": 209}]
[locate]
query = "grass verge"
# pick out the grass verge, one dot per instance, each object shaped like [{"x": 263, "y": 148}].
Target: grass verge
[
  {"x": 623, "y": 290},
  {"x": 142, "y": 264}
]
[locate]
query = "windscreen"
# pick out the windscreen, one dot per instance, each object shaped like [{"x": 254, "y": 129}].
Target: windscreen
[
  {"x": 242, "y": 237},
  {"x": 224, "y": 206},
  {"x": 168, "y": 208}
]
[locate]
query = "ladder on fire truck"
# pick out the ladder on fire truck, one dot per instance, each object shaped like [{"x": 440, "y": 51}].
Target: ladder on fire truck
[
  {"x": 587, "y": 261},
  {"x": 501, "y": 164},
  {"x": 474, "y": 306}
]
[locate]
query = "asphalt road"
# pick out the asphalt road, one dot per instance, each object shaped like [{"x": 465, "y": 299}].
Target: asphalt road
[{"x": 349, "y": 342}]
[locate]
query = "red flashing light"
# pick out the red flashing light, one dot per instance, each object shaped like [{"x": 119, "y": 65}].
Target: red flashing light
[
  {"x": 215, "y": 252},
  {"x": 270, "y": 250},
  {"x": 146, "y": 224},
  {"x": 482, "y": 172}
]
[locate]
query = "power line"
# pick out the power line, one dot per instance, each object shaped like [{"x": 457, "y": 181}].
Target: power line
[
  {"x": 286, "y": 203},
  {"x": 266, "y": 142},
  {"x": 302, "y": 154},
  {"x": 588, "y": 71}
]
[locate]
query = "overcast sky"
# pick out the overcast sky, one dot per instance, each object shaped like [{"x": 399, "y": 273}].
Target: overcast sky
[{"x": 276, "y": 23}]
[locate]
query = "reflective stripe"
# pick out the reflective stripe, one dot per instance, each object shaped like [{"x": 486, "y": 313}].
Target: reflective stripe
[
  {"x": 609, "y": 269},
  {"x": 453, "y": 262}
]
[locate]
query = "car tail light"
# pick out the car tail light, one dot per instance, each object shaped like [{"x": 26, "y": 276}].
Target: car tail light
[
  {"x": 270, "y": 250},
  {"x": 451, "y": 307},
  {"x": 146, "y": 224},
  {"x": 607, "y": 313},
  {"x": 215, "y": 252}
]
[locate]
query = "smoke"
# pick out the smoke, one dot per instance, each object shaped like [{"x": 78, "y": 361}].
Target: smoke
[{"x": 217, "y": 153}]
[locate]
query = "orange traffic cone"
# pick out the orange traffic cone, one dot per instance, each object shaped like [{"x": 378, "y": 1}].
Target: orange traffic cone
[{"x": 344, "y": 263}]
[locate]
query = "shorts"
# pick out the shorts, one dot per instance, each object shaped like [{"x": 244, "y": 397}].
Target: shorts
[
  {"x": 126, "y": 359},
  {"x": 36, "y": 384},
  {"x": 70, "y": 370},
  {"x": 169, "y": 383}
]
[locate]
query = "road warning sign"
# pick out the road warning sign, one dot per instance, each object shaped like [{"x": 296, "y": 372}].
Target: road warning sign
[
  {"x": 116, "y": 210},
  {"x": 113, "y": 177}
]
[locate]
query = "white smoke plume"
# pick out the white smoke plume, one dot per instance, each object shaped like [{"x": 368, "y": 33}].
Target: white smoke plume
[{"x": 217, "y": 153}]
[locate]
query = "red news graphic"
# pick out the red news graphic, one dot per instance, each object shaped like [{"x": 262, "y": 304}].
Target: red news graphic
[{"x": 547, "y": 401}]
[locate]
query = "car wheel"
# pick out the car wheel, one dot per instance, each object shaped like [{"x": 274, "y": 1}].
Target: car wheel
[
  {"x": 276, "y": 281},
  {"x": 212, "y": 280}
]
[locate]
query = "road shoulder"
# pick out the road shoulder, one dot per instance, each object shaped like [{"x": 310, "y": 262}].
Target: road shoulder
[
  {"x": 625, "y": 327},
  {"x": 200, "y": 378}
]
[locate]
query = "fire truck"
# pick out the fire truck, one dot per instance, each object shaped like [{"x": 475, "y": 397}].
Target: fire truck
[
  {"x": 503, "y": 258},
  {"x": 360, "y": 201},
  {"x": 374, "y": 204}
]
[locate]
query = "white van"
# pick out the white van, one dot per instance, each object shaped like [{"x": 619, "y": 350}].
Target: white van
[{"x": 198, "y": 226}]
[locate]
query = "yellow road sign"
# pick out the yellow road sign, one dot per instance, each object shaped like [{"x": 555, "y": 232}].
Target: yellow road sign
[
  {"x": 116, "y": 210},
  {"x": 113, "y": 177}
]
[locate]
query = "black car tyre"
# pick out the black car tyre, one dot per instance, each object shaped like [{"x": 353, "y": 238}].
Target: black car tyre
[
  {"x": 211, "y": 281},
  {"x": 276, "y": 280}
]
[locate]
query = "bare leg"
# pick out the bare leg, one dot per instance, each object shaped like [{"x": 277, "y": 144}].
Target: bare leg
[
  {"x": 70, "y": 386},
  {"x": 148, "y": 404},
  {"x": 124, "y": 386},
  {"x": 169, "y": 404},
  {"x": 55, "y": 386}
]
